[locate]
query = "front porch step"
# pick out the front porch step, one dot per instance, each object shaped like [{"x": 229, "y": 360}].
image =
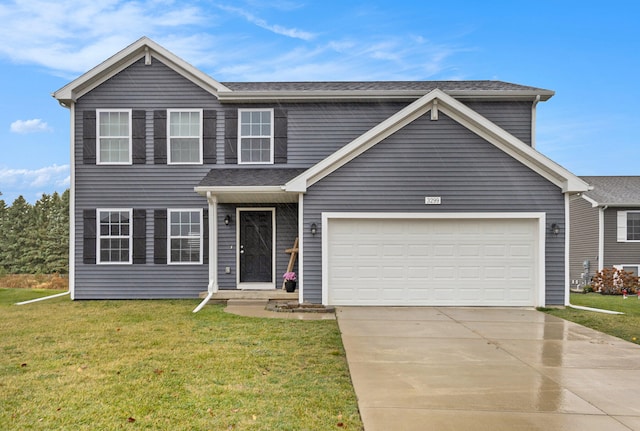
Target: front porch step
[{"x": 258, "y": 295}]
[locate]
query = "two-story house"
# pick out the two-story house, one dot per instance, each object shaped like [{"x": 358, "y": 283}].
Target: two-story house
[
  {"x": 605, "y": 230},
  {"x": 400, "y": 193}
]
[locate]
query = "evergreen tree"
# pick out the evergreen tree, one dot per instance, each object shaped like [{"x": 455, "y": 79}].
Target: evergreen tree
[{"x": 35, "y": 238}]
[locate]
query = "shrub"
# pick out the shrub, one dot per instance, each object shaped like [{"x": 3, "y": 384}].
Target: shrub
[{"x": 611, "y": 281}]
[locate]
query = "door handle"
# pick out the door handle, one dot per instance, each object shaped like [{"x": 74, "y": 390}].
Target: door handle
[{"x": 242, "y": 249}]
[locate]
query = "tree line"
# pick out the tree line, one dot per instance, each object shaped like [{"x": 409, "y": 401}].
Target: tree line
[{"x": 34, "y": 239}]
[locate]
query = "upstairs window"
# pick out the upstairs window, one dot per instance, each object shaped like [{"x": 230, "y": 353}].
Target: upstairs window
[
  {"x": 628, "y": 226},
  {"x": 255, "y": 137},
  {"x": 185, "y": 137},
  {"x": 114, "y": 236},
  {"x": 114, "y": 137}
]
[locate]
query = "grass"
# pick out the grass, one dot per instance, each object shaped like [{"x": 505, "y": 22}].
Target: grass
[
  {"x": 114, "y": 365},
  {"x": 626, "y": 326}
]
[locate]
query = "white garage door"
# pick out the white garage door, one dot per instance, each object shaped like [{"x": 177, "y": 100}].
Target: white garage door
[{"x": 486, "y": 262}]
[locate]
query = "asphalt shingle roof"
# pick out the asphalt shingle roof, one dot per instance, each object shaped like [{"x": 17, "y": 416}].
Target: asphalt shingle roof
[
  {"x": 249, "y": 177},
  {"x": 614, "y": 190},
  {"x": 338, "y": 86}
]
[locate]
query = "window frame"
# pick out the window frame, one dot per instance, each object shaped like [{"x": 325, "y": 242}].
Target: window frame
[
  {"x": 270, "y": 137},
  {"x": 170, "y": 237},
  {"x": 99, "y": 236},
  {"x": 200, "y": 139},
  {"x": 622, "y": 223},
  {"x": 129, "y": 137}
]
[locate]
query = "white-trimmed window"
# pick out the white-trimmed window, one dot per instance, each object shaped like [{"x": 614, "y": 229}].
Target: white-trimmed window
[
  {"x": 255, "y": 136},
  {"x": 113, "y": 137},
  {"x": 184, "y": 136},
  {"x": 115, "y": 235},
  {"x": 628, "y": 226},
  {"x": 184, "y": 236}
]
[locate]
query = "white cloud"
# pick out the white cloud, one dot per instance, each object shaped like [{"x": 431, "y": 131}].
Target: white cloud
[
  {"x": 29, "y": 126},
  {"x": 275, "y": 28},
  {"x": 34, "y": 178},
  {"x": 75, "y": 35}
]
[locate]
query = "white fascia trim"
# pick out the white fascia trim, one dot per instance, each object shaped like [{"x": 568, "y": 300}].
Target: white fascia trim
[
  {"x": 591, "y": 201},
  {"x": 142, "y": 48},
  {"x": 239, "y": 189},
  {"x": 541, "y": 218}
]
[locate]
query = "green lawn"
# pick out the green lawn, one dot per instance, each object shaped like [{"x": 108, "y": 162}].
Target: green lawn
[
  {"x": 113, "y": 365},
  {"x": 625, "y": 326}
]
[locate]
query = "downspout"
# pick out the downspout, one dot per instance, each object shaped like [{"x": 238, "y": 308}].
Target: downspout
[
  {"x": 212, "y": 287},
  {"x": 43, "y": 298},
  {"x": 533, "y": 121}
]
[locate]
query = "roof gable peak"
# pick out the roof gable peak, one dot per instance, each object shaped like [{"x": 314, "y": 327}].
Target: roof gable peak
[{"x": 142, "y": 48}]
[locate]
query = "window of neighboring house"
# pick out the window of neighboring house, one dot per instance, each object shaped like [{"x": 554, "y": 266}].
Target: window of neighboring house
[
  {"x": 628, "y": 226},
  {"x": 633, "y": 226},
  {"x": 255, "y": 137},
  {"x": 114, "y": 137},
  {"x": 185, "y": 236},
  {"x": 115, "y": 233},
  {"x": 184, "y": 136}
]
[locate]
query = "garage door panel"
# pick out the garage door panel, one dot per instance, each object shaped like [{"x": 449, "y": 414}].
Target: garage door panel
[{"x": 432, "y": 262}]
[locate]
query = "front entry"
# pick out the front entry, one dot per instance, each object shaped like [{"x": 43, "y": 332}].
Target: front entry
[{"x": 255, "y": 249}]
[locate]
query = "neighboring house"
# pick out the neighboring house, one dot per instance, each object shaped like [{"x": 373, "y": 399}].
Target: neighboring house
[
  {"x": 401, "y": 193},
  {"x": 605, "y": 227}
]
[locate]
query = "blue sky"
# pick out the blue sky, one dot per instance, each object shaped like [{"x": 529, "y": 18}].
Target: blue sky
[{"x": 588, "y": 52}]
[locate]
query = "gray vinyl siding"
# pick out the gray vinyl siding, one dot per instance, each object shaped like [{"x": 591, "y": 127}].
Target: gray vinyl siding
[
  {"x": 434, "y": 158},
  {"x": 618, "y": 253},
  {"x": 583, "y": 240},
  {"x": 146, "y": 186},
  {"x": 318, "y": 130},
  {"x": 514, "y": 117}
]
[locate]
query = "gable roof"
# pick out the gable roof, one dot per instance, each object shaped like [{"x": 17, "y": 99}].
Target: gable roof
[
  {"x": 142, "y": 48},
  {"x": 437, "y": 100},
  {"x": 291, "y": 91},
  {"x": 613, "y": 190}
]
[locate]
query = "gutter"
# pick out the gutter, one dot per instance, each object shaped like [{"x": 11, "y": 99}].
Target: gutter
[{"x": 43, "y": 298}]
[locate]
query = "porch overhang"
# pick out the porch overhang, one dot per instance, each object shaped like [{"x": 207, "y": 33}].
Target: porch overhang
[
  {"x": 249, "y": 195},
  {"x": 249, "y": 185}
]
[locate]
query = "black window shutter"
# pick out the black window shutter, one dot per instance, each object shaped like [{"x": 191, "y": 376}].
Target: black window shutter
[
  {"x": 231, "y": 136},
  {"x": 89, "y": 237},
  {"x": 205, "y": 236},
  {"x": 160, "y": 137},
  {"x": 89, "y": 137},
  {"x": 209, "y": 136},
  {"x": 279, "y": 136},
  {"x": 138, "y": 133},
  {"x": 139, "y": 236},
  {"x": 160, "y": 236}
]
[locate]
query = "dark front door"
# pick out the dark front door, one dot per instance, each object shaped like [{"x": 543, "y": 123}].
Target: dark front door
[{"x": 256, "y": 247}]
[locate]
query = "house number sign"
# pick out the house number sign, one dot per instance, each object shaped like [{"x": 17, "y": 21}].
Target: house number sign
[{"x": 432, "y": 200}]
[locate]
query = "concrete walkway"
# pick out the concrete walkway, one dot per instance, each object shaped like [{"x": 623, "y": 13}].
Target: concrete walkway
[{"x": 487, "y": 369}]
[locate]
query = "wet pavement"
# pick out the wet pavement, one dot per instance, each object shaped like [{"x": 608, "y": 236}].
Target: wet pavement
[{"x": 421, "y": 368}]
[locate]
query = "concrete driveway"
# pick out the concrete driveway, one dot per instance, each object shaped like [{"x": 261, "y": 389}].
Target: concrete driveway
[{"x": 421, "y": 368}]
